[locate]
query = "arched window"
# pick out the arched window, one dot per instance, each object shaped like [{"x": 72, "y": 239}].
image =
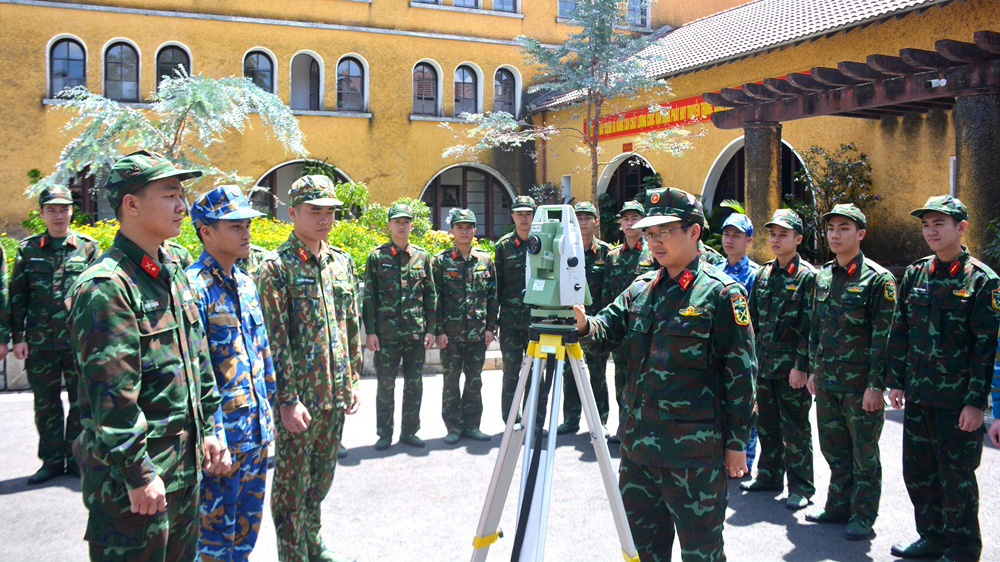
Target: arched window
[
  {"x": 314, "y": 85},
  {"x": 67, "y": 66},
  {"x": 350, "y": 85},
  {"x": 168, "y": 60},
  {"x": 121, "y": 73},
  {"x": 306, "y": 87},
  {"x": 425, "y": 90},
  {"x": 465, "y": 90},
  {"x": 259, "y": 68},
  {"x": 503, "y": 91}
]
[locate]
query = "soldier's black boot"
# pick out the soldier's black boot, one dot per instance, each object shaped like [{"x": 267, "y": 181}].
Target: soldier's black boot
[
  {"x": 72, "y": 469},
  {"x": 920, "y": 548},
  {"x": 46, "y": 473}
]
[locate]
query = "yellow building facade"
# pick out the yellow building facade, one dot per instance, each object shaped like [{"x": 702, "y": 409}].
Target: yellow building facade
[{"x": 376, "y": 133}]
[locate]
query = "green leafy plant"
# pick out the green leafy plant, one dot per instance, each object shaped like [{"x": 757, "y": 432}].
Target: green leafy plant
[
  {"x": 547, "y": 193},
  {"x": 991, "y": 249}
]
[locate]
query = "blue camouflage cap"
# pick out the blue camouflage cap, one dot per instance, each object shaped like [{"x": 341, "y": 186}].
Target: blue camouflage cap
[
  {"x": 225, "y": 202},
  {"x": 739, "y": 221}
]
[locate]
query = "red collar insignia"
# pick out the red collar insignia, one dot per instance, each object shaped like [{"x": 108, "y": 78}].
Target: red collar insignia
[
  {"x": 517, "y": 241},
  {"x": 685, "y": 279},
  {"x": 852, "y": 268},
  {"x": 638, "y": 246},
  {"x": 791, "y": 268},
  {"x": 955, "y": 267},
  {"x": 392, "y": 249},
  {"x": 934, "y": 263},
  {"x": 303, "y": 254},
  {"x": 454, "y": 254},
  {"x": 593, "y": 246},
  {"x": 44, "y": 241},
  {"x": 150, "y": 266}
]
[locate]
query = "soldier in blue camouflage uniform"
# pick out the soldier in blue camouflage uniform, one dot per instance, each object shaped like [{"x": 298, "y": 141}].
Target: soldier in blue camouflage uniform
[
  {"x": 737, "y": 235},
  {"x": 781, "y": 306},
  {"x": 232, "y": 500},
  {"x": 623, "y": 266},
  {"x": 147, "y": 393},
  {"x": 852, "y": 311},
  {"x": 465, "y": 280},
  {"x": 400, "y": 310},
  {"x": 307, "y": 290},
  {"x": 45, "y": 267},
  {"x": 689, "y": 395},
  {"x": 941, "y": 353},
  {"x": 509, "y": 256},
  {"x": 595, "y": 255}
]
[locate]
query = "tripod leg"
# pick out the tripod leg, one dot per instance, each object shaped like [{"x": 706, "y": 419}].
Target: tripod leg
[
  {"x": 600, "y": 445},
  {"x": 503, "y": 473}
]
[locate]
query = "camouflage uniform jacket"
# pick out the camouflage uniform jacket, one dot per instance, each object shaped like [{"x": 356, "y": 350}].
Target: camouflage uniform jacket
[
  {"x": 510, "y": 258},
  {"x": 4, "y": 309},
  {"x": 707, "y": 254},
  {"x": 399, "y": 300},
  {"x": 310, "y": 310},
  {"x": 241, "y": 357},
  {"x": 711, "y": 255},
  {"x": 691, "y": 366},
  {"x": 596, "y": 259},
  {"x": 147, "y": 393},
  {"x": 943, "y": 337},
  {"x": 251, "y": 263},
  {"x": 40, "y": 281},
  {"x": 781, "y": 310},
  {"x": 623, "y": 266},
  {"x": 852, "y": 312},
  {"x": 466, "y": 294},
  {"x": 180, "y": 254}
]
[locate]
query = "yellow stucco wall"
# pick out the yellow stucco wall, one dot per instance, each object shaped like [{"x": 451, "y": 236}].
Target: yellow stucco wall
[{"x": 910, "y": 156}]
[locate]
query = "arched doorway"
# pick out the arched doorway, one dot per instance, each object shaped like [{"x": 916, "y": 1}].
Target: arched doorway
[
  {"x": 270, "y": 193},
  {"x": 623, "y": 177},
  {"x": 476, "y": 187},
  {"x": 727, "y": 178}
]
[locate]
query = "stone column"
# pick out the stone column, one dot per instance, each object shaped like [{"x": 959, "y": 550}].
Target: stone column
[
  {"x": 977, "y": 155},
  {"x": 762, "y": 193}
]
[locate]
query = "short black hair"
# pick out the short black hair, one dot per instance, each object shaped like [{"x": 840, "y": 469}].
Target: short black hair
[{"x": 141, "y": 192}]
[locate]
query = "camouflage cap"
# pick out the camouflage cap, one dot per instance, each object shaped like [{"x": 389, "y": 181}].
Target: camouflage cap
[
  {"x": 632, "y": 206},
  {"x": 670, "y": 204},
  {"x": 946, "y": 204},
  {"x": 849, "y": 210},
  {"x": 586, "y": 207},
  {"x": 461, "y": 215},
  {"x": 225, "y": 202},
  {"x": 740, "y": 221},
  {"x": 139, "y": 168},
  {"x": 523, "y": 202},
  {"x": 55, "y": 196},
  {"x": 786, "y": 218},
  {"x": 314, "y": 190},
  {"x": 400, "y": 209}
]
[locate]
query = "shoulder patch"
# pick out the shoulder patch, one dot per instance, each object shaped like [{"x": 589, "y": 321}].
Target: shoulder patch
[
  {"x": 995, "y": 301},
  {"x": 741, "y": 312},
  {"x": 890, "y": 291}
]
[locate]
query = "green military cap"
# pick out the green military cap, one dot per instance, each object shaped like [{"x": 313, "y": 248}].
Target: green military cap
[
  {"x": 786, "y": 218},
  {"x": 586, "y": 207},
  {"x": 523, "y": 202},
  {"x": 670, "y": 204},
  {"x": 57, "y": 195},
  {"x": 400, "y": 210},
  {"x": 849, "y": 210},
  {"x": 461, "y": 215},
  {"x": 632, "y": 206},
  {"x": 946, "y": 204},
  {"x": 314, "y": 190},
  {"x": 139, "y": 168}
]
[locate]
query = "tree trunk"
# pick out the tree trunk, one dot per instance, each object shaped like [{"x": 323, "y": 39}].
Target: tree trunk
[{"x": 595, "y": 120}]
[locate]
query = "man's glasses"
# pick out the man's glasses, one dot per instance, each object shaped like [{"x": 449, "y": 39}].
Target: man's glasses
[{"x": 661, "y": 236}]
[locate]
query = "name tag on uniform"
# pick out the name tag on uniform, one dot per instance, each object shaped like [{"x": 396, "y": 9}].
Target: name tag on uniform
[
  {"x": 37, "y": 259},
  {"x": 305, "y": 281},
  {"x": 155, "y": 304}
]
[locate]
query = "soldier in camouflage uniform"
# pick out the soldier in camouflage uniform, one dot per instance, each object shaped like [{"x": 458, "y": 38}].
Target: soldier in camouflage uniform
[
  {"x": 781, "y": 306},
  {"x": 251, "y": 264},
  {"x": 852, "y": 311},
  {"x": 623, "y": 266},
  {"x": 510, "y": 257},
  {"x": 147, "y": 393},
  {"x": 689, "y": 393},
  {"x": 179, "y": 253},
  {"x": 595, "y": 257},
  {"x": 308, "y": 297},
  {"x": 400, "y": 310},
  {"x": 4, "y": 310},
  {"x": 45, "y": 267},
  {"x": 465, "y": 279},
  {"x": 941, "y": 352},
  {"x": 232, "y": 498}
]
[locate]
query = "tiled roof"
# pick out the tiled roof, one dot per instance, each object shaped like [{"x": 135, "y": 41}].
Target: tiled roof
[{"x": 753, "y": 27}]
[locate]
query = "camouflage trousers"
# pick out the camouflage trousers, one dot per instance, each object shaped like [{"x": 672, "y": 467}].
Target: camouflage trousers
[
  {"x": 303, "y": 472},
  {"x": 387, "y": 365},
  {"x": 462, "y": 409},
  {"x": 117, "y": 534},
  {"x": 231, "y": 508},
  {"x": 621, "y": 370},
  {"x": 597, "y": 366},
  {"x": 512, "y": 347},
  {"x": 46, "y": 370},
  {"x": 848, "y": 438},
  {"x": 659, "y": 501},
  {"x": 939, "y": 468},
  {"x": 785, "y": 434}
]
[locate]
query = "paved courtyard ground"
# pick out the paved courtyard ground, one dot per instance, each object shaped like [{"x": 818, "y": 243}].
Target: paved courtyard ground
[{"x": 408, "y": 504}]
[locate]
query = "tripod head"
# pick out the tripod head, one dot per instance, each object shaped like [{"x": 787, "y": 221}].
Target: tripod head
[{"x": 556, "y": 275}]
